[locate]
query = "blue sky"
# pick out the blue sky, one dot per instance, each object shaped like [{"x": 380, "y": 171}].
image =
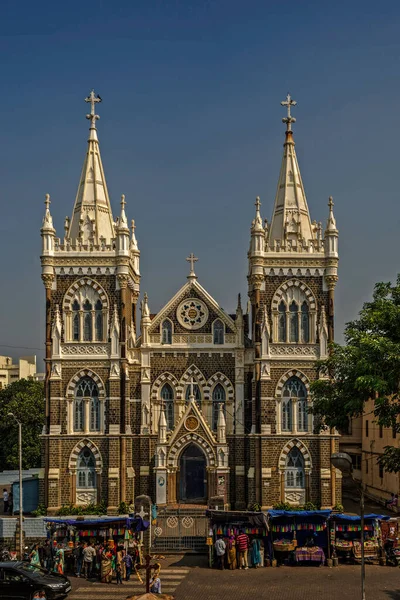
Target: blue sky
[{"x": 191, "y": 133}]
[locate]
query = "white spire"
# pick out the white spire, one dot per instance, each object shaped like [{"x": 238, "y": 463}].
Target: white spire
[
  {"x": 92, "y": 216},
  {"x": 331, "y": 222},
  {"x": 47, "y": 219},
  {"x": 257, "y": 224},
  {"x": 221, "y": 425},
  {"x": 123, "y": 221},
  {"x": 162, "y": 427},
  {"x": 291, "y": 218},
  {"x": 192, "y": 259}
]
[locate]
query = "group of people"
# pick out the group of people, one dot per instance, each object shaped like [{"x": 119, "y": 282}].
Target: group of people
[
  {"x": 48, "y": 556},
  {"x": 233, "y": 552}
]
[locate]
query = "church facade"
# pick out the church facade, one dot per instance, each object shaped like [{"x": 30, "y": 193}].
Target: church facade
[{"x": 190, "y": 406}]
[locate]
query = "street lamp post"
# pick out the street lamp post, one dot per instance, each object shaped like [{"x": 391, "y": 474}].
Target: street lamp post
[
  {"x": 21, "y": 544},
  {"x": 343, "y": 462}
]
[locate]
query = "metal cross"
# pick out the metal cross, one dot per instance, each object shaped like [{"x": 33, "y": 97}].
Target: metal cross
[
  {"x": 289, "y": 119},
  {"x": 93, "y": 99},
  {"x": 192, "y": 259}
]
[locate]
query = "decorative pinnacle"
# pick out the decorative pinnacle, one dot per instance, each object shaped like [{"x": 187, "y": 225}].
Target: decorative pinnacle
[
  {"x": 47, "y": 202},
  {"x": 330, "y": 203},
  {"x": 192, "y": 259},
  {"x": 289, "y": 102},
  {"x": 93, "y": 99}
]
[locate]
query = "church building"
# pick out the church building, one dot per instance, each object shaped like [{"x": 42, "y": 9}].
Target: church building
[{"x": 192, "y": 405}]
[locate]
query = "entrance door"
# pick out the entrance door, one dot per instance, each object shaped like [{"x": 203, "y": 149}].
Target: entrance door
[{"x": 193, "y": 475}]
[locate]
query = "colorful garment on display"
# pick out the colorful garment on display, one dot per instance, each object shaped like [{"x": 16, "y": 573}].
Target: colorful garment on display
[
  {"x": 352, "y": 527},
  {"x": 287, "y": 528},
  {"x": 229, "y": 530}
]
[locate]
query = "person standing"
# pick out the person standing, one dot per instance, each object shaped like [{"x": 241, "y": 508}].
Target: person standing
[
  {"x": 78, "y": 553},
  {"x": 34, "y": 556},
  {"x": 5, "y": 501},
  {"x": 88, "y": 555},
  {"x": 10, "y": 502},
  {"x": 255, "y": 552},
  {"x": 220, "y": 548},
  {"x": 127, "y": 560},
  {"x": 243, "y": 543},
  {"x": 118, "y": 572}
]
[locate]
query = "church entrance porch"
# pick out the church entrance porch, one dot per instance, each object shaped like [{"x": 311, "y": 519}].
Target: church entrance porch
[{"x": 192, "y": 487}]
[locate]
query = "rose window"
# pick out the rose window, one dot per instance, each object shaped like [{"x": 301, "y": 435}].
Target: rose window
[{"x": 192, "y": 313}]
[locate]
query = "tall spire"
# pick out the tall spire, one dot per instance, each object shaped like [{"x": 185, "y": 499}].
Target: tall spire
[
  {"x": 291, "y": 223},
  {"x": 92, "y": 218}
]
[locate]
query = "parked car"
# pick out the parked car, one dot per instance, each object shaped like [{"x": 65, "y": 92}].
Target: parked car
[{"x": 20, "y": 580}]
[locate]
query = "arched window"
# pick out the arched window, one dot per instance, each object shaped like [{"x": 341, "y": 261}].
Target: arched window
[
  {"x": 305, "y": 323},
  {"x": 87, "y": 322},
  {"x": 167, "y": 396},
  {"x": 166, "y": 328},
  {"x": 295, "y": 476},
  {"x": 218, "y": 397},
  {"x": 294, "y": 389},
  {"x": 86, "y": 469},
  {"x": 294, "y": 322},
  {"x": 282, "y": 322},
  {"x": 218, "y": 332},
  {"x": 99, "y": 320},
  {"x": 196, "y": 393},
  {"x": 76, "y": 325},
  {"x": 86, "y": 391}
]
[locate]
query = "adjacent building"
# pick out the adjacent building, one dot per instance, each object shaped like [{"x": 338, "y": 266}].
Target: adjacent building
[
  {"x": 10, "y": 372},
  {"x": 191, "y": 405}
]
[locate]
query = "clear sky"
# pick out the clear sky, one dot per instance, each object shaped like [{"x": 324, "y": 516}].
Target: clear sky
[{"x": 191, "y": 133}]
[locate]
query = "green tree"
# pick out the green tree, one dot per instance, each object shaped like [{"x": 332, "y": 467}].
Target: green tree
[
  {"x": 367, "y": 367},
  {"x": 24, "y": 398}
]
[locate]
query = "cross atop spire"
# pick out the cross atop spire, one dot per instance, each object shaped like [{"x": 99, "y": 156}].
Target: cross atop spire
[
  {"x": 192, "y": 259},
  {"x": 289, "y": 102},
  {"x": 47, "y": 202},
  {"x": 93, "y": 99}
]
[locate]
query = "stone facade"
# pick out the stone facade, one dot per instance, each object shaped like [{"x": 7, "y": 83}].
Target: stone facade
[{"x": 194, "y": 405}]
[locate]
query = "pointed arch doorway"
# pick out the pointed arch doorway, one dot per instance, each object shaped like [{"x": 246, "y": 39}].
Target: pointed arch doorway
[{"x": 193, "y": 475}]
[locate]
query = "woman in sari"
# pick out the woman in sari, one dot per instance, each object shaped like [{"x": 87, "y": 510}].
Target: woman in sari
[
  {"x": 106, "y": 569},
  {"x": 120, "y": 561},
  {"x": 59, "y": 561},
  {"x": 232, "y": 562},
  {"x": 34, "y": 556},
  {"x": 255, "y": 552}
]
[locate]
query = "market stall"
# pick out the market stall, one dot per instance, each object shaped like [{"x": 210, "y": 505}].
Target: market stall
[
  {"x": 346, "y": 536},
  {"x": 229, "y": 524},
  {"x": 299, "y": 537},
  {"x": 67, "y": 532}
]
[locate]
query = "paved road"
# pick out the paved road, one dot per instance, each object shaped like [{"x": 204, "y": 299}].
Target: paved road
[{"x": 189, "y": 582}]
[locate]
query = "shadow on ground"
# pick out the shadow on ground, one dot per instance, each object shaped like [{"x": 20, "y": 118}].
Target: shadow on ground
[{"x": 189, "y": 560}]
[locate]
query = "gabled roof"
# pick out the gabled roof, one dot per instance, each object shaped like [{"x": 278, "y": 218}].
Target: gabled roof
[
  {"x": 192, "y": 284},
  {"x": 192, "y": 408}
]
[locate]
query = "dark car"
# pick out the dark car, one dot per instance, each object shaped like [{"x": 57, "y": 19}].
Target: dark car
[{"x": 21, "y": 580}]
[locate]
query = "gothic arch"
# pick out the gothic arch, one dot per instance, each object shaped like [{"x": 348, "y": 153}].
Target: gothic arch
[
  {"x": 190, "y": 438},
  {"x": 194, "y": 372},
  {"x": 290, "y": 286},
  {"x": 303, "y": 449},
  {"x": 85, "y": 373},
  {"x": 159, "y": 382},
  {"x": 84, "y": 281},
  {"x": 224, "y": 381},
  {"x": 76, "y": 451},
  {"x": 288, "y": 375}
]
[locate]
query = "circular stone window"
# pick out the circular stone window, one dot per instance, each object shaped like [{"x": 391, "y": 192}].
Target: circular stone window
[{"x": 192, "y": 313}]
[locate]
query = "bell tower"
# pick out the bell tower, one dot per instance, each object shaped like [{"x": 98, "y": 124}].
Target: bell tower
[
  {"x": 92, "y": 281},
  {"x": 291, "y": 281}
]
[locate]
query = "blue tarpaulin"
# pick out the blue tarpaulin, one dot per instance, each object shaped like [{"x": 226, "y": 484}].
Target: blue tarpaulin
[
  {"x": 137, "y": 523},
  {"x": 354, "y": 518},
  {"x": 304, "y": 514}
]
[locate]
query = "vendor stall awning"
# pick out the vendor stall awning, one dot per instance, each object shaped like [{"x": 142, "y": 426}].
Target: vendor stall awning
[
  {"x": 304, "y": 514},
  {"x": 354, "y": 518},
  {"x": 137, "y": 523}
]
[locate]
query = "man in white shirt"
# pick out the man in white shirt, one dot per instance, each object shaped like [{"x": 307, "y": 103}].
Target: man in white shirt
[
  {"x": 89, "y": 554},
  {"x": 5, "y": 500},
  {"x": 220, "y": 548}
]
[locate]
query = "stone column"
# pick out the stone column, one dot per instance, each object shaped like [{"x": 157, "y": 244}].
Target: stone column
[
  {"x": 331, "y": 281},
  {"x": 48, "y": 280}
]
